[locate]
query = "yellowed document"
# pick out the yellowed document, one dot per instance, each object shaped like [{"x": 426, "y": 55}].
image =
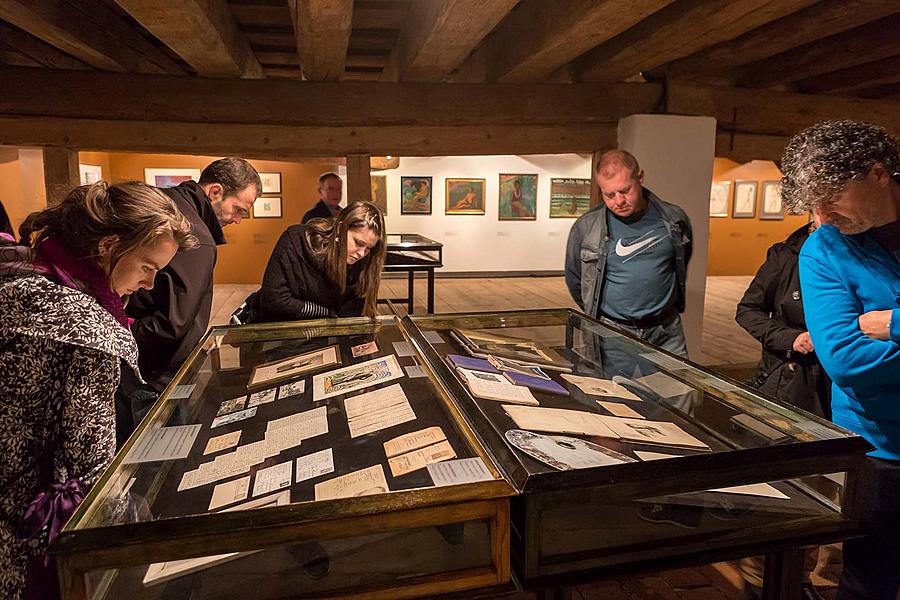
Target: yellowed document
[
  {"x": 413, "y": 441},
  {"x": 358, "y": 483},
  {"x": 594, "y": 386},
  {"x": 620, "y": 410},
  {"x": 558, "y": 420},
  {"x": 222, "y": 442},
  {"x": 419, "y": 459}
]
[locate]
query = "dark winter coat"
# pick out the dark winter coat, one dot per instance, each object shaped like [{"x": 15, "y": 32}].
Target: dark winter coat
[{"x": 319, "y": 211}]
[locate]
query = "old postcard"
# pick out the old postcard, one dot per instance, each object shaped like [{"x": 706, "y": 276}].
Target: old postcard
[
  {"x": 294, "y": 388},
  {"x": 419, "y": 459},
  {"x": 232, "y": 405},
  {"x": 558, "y": 420},
  {"x": 263, "y": 397},
  {"x": 355, "y": 377},
  {"x": 377, "y": 410},
  {"x": 364, "y": 349},
  {"x": 413, "y": 441},
  {"x": 233, "y": 417},
  {"x": 660, "y": 433},
  {"x": 595, "y": 386},
  {"x": 315, "y": 464},
  {"x": 222, "y": 442},
  {"x": 290, "y": 368},
  {"x": 229, "y": 492},
  {"x": 358, "y": 483}
]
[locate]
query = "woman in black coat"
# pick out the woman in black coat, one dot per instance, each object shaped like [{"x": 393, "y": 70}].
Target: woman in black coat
[{"x": 772, "y": 312}]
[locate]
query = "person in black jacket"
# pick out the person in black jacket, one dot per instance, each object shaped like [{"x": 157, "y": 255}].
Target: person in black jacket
[
  {"x": 772, "y": 312},
  {"x": 326, "y": 268},
  {"x": 330, "y": 193},
  {"x": 172, "y": 317}
]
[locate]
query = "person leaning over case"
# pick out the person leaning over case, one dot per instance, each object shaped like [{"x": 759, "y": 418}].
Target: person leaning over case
[
  {"x": 626, "y": 259},
  {"x": 326, "y": 268},
  {"x": 847, "y": 173},
  {"x": 63, "y": 332}
]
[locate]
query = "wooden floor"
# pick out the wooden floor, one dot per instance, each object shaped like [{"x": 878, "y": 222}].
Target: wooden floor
[{"x": 724, "y": 342}]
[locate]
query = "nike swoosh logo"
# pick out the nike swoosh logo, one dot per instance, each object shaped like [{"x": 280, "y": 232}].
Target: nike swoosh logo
[{"x": 623, "y": 250}]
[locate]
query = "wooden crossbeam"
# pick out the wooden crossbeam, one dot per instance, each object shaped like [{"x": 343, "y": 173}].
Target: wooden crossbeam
[
  {"x": 859, "y": 77},
  {"x": 378, "y": 14},
  {"x": 202, "y": 32},
  {"x": 41, "y": 53},
  {"x": 322, "y": 29},
  {"x": 874, "y": 41},
  {"x": 440, "y": 34},
  {"x": 677, "y": 31},
  {"x": 539, "y": 37},
  {"x": 71, "y": 30}
]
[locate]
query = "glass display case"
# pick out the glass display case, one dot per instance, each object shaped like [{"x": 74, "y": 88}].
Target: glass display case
[
  {"x": 304, "y": 460},
  {"x": 409, "y": 253},
  {"x": 650, "y": 462},
  {"x": 400, "y": 458}
]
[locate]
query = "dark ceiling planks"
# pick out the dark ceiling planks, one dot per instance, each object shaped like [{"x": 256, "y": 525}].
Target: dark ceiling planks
[
  {"x": 322, "y": 29},
  {"x": 853, "y": 79},
  {"x": 38, "y": 52}
]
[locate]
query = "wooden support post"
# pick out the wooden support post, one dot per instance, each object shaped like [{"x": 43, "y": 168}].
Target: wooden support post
[
  {"x": 595, "y": 189},
  {"x": 359, "y": 183},
  {"x": 60, "y": 173}
]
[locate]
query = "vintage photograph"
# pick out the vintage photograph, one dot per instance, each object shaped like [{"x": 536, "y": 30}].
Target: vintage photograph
[
  {"x": 569, "y": 197},
  {"x": 744, "y": 199},
  {"x": 415, "y": 195},
  {"x": 518, "y": 197},
  {"x": 771, "y": 207},
  {"x": 355, "y": 377},
  {"x": 464, "y": 196},
  {"x": 379, "y": 192},
  {"x": 289, "y": 368},
  {"x": 719, "y": 198}
]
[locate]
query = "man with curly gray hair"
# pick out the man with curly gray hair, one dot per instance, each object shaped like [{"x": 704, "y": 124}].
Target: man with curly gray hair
[{"x": 846, "y": 172}]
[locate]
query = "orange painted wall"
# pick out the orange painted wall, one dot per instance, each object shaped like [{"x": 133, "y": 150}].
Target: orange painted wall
[
  {"x": 739, "y": 246},
  {"x": 21, "y": 182}
]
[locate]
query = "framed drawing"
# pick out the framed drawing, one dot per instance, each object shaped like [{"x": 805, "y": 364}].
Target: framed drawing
[
  {"x": 771, "y": 207},
  {"x": 164, "y": 178},
  {"x": 464, "y": 196},
  {"x": 271, "y": 183},
  {"x": 518, "y": 197},
  {"x": 569, "y": 198},
  {"x": 379, "y": 192},
  {"x": 267, "y": 207},
  {"x": 719, "y": 198},
  {"x": 744, "y": 199},
  {"x": 415, "y": 195},
  {"x": 90, "y": 174}
]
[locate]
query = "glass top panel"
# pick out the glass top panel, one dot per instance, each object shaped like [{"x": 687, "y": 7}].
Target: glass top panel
[
  {"x": 400, "y": 240},
  {"x": 304, "y": 409}
]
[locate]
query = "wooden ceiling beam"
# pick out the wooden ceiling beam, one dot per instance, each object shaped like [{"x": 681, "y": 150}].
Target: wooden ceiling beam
[
  {"x": 808, "y": 25},
  {"x": 202, "y": 32},
  {"x": 440, "y": 34},
  {"x": 774, "y": 113},
  {"x": 325, "y": 104},
  {"x": 41, "y": 53},
  {"x": 539, "y": 37},
  {"x": 874, "y": 41},
  {"x": 378, "y": 14},
  {"x": 68, "y": 28},
  {"x": 322, "y": 29},
  {"x": 679, "y": 30},
  {"x": 890, "y": 91},
  {"x": 851, "y": 79}
]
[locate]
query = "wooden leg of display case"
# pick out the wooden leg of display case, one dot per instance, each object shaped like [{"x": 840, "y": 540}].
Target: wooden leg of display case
[
  {"x": 412, "y": 288},
  {"x": 71, "y": 583},
  {"x": 431, "y": 291},
  {"x": 783, "y": 575}
]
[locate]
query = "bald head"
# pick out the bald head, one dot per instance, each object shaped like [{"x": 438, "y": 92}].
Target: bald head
[
  {"x": 620, "y": 178},
  {"x": 614, "y": 160}
]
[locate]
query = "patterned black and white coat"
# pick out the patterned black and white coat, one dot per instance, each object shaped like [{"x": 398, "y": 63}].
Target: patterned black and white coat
[{"x": 59, "y": 351}]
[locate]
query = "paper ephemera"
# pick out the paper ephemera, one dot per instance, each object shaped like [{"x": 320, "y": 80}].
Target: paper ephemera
[
  {"x": 414, "y": 371},
  {"x": 182, "y": 392},
  {"x": 404, "y": 349},
  {"x": 660, "y": 433},
  {"x": 294, "y": 388},
  {"x": 307, "y": 424},
  {"x": 620, "y": 410},
  {"x": 273, "y": 478},
  {"x": 232, "y": 405},
  {"x": 229, "y": 492},
  {"x": 364, "y": 349},
  {"x": 233, "y": 417},
  {"x": 263, "y": 397},
  {"x": 377, "y": 410},
  {"x": 413, "y": 441},
  {"x": 433, "y": 337},
  {"x": 558, "y": 420},
  {"x": 315, "y": 464},
  {"x": 355, "y": 377},
  {"x": 452, "y": 472},
  {"x": 418, "y": 459},
  {"x": 165, "y": 443},
  {"x": 290, "y": 368},
  {"x": 358, "y": 483},
  {"x": 491, "y": 386},
  {"x": 594, "y": 386},
  {"x": 222, "y": 442}
]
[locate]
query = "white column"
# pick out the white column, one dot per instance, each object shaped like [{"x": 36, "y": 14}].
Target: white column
[{"x": 677, "y": 156}]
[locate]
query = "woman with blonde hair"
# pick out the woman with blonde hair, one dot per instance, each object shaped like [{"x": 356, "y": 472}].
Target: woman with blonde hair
[
  {"x": 326, "y": 268},
  {"x": 63, "y": 336}
]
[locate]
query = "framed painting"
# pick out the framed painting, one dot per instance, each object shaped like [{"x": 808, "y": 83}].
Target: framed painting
[
  {"x": 271, "y": 183},
  {"x": 771, "y": 207},
  {"x": 90, "y": 174},
  {"x": 164, "y": 178},
  {"x": 464, "y": 196},
  {"x": 744, "y": 199},
  {"x": 267, "y": 207},
  {"x": 518, "y": 197},
  {"x": 569, "y": 197},
  {"x": 415, "y": 195},
  {"x": 719, "y": 198},
  {"x": 379, "y": 192}
]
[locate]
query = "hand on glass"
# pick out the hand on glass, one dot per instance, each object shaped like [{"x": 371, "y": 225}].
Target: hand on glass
[
  {"x": 803, "y": 344},
  {"x": 876, "y": 324}
]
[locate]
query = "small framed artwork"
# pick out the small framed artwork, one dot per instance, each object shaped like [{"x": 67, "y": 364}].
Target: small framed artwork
[
  {"x": 569, "y": 198},
  {"x": 719, "y": 198},
  {"x": 771, "y": 207},
  {"x": 164, "y": 178},
  {"x": 267, "y": 207},
  {"x": 464, "y": 196},
  {"x": 271, "y": 183},
  {"x": 379, "y": 192},
  {"x": 518, "y": 197},
  {"x": 744, "y": 199},
  {"x": 90, "y": 173},
  {"x": 415, "y": 195}
]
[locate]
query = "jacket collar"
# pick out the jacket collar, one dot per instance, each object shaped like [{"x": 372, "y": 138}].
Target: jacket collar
[{"x": 192, "y": 191}]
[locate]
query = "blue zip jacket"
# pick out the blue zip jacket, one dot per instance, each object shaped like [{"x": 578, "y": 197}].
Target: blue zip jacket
[{"x": 842, "y": 277}]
